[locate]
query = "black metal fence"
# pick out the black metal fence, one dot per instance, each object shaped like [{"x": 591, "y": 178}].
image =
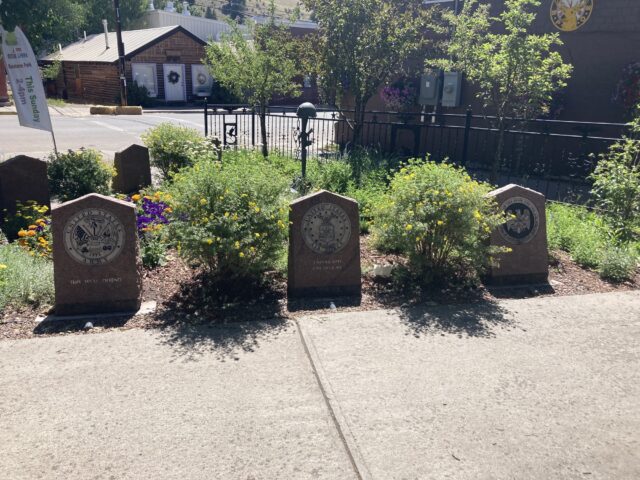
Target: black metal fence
[{"x": 548, "y": 151}]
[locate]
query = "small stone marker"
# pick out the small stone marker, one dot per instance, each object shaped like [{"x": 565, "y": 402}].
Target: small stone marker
[
  {"x": 23, "y": 178},
  {"x": 133, "y": 169},
  {"x": 525, "y": 233},
  {"x": 95, "y": 256},
  {"x": 324, "y": 246}
]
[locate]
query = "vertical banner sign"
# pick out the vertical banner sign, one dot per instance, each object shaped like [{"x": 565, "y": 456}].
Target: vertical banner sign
[{"x": 25, "y": 80}]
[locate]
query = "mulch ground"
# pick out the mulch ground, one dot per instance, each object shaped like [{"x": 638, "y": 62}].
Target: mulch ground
[{"x": 186, "y": 297}]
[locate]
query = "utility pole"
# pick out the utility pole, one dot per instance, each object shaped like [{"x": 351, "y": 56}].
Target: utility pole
[{"x": 121, "y": 59}]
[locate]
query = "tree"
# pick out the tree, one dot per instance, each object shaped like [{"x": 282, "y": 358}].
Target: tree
[
  {"x": 96, "y": 10},
  {"x": 514, "y": 72},
  {"x": 211, "y": 13},
  {"x": 45, "y": 22},
  {"x": 235, "y": 9},
  {"x": 365, "y": 43},
  {"x": 256, "y": 70}
]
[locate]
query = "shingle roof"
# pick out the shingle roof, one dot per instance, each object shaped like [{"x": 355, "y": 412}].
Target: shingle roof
[{"x": 93, "y": 49}]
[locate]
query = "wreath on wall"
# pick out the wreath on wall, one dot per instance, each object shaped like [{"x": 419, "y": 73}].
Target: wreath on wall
[
  {"x": 173, "y": 77},
  {"x": 201, "y": 78}
]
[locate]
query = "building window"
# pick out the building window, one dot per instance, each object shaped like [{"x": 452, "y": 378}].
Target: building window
[
  {"x": 202, "y": 80},
  {"x": 145, "y": 74}
]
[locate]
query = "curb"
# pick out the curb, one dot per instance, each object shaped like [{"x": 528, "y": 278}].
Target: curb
[{"x": 8, "y": 113}]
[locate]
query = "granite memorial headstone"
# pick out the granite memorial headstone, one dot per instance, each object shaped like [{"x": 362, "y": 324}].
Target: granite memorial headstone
[
  {"x": 133, "y": 169},
  {"x": 324, "y": 246},
  {"x": 22, "y": 179},
  {"x": 95, "y": 256},
  {"x": 525, "y": 233}
]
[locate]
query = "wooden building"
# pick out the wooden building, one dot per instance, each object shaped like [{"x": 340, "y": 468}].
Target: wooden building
[{"x": 168, "y": 61}]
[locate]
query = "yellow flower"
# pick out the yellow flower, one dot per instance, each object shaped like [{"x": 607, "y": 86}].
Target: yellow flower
[
  {"x": 477, "y": 214},
  {"x": 42, "y": 240},
  {"x": 408, "y": 228},
  {"x": 168, "y": 210},
  {"x": 237, "y": 244},
  {"x": 32, "y": 227},
  {"x": 459, "y": 210},
  {"x": 258, "y": 235},
  {"x": 241, "y": 255},
  {"x": 221, "y": 197},
  {"x": 257, "y": 209},
  {"x": 226, "y": 214},
  {"x": 3, "y": 266},
  {"x": 440, "y": 222},
  {"x": 203, "y": 201},
  {"x": 252, "y": 249},
  {"x": 209, "y": 241}
]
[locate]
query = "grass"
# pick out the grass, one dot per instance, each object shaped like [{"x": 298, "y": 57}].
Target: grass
[
  {"x": 57, "y": 102},
  {"x": 590, "y": 241},
  {"x": 24, "y": 280}
]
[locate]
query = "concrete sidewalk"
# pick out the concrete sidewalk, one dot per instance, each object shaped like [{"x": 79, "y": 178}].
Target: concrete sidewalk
[{"x": 527, "y": 389}]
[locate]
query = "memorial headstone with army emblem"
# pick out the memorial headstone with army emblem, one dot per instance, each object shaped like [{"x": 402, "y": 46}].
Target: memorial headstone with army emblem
[
  {"x": 324, "y": 246},
  {"x": 133, "y": 169},
  {"x": 22, "y": 179},
  {"x": 95, "y": 256},
  {"x": 525, "y": 233}
]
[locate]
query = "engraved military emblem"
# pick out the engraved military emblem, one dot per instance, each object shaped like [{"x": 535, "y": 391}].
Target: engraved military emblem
[
  {"x": 523, "y": 220},
  {"x": 570, "y": 15},
  {"x": 94, "y": 237},
  {"x": 326, "y": 228}
]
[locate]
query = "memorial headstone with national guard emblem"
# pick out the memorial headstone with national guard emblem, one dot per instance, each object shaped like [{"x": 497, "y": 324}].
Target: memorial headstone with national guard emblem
[
  {"x": 524, "y": 233},
  {"x": 95, "y": 255}
]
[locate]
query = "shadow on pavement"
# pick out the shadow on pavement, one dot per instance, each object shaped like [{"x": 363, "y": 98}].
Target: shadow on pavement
[
  {"x": 226, "y": 318},
  {"x": 479, "y": 319}
]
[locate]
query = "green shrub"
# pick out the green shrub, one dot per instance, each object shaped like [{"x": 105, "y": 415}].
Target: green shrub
[
  {"x": 333, "y": 175},
  {"x": 618, "y": 264},
  {"x": 232, "y": 216},
  {"x": 25, "y": 279},
  {"x": 173, "y": 147},
  {"x": 372, "y": 189},
  {"x": 440, "y": 218},
  {"x": 616, "y": 183},
  {"x": 77, "y": 173},
  {"x": 138, "y": 95},
  {"x": 578, "y": 231}
]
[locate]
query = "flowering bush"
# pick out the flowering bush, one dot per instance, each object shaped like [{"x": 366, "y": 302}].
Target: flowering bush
[
  {"x": 174, "y": 147},
  {"x": 77, "y": 173},
  {"x": 24, "y": 279},
  {"x": 399, "y": 96},
  {"x": 32, "y": 226},
  {"x": 439, "y": 217},
  {"x": 152, "y": 215},
  {"x": 231, "y": 218}
]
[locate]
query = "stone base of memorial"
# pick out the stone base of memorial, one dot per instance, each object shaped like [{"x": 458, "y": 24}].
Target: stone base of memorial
[
  {"x": 324, "y": 246},
  {"x": 95, "y": 254},
  {"x": 525, "y": 233}
]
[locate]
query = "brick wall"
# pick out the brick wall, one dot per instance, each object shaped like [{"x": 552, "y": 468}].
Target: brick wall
[{"x": 179, "y": 48}]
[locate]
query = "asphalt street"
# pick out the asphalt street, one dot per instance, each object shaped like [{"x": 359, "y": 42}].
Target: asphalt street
[
  {"x": 102, "y": 132},
  {"x": 545, "y": 388}
]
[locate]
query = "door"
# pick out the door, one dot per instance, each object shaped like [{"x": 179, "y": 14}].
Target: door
[{"x": 175, "y": 87}]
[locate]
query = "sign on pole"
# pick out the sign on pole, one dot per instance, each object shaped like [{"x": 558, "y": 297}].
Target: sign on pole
[{"x": 26, "y": 83}]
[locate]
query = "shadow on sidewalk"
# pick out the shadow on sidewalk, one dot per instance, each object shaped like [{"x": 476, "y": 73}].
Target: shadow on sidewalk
[
  {"x": 479, "y": 319},
  {"x": 207, "y": 316}
]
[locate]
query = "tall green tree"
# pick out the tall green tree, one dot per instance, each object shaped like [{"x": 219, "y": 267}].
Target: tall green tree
[
  {"x": 366, "y": 43},
  {"x": 256, "y": 70},
  {"x": 45, "y": 22},
  {"x": 97, "y": 10},
  {"x": 515, "y": 73},
  {"x": 235, "y": 9}
]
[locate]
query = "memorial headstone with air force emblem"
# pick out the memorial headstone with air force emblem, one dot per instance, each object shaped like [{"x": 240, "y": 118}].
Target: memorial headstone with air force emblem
[
  {"x": 324, "y": 246},
  {"x": 524, "y": 233},
  {"x": 95, "y": 255},
  {"x": 133, "y": 169}
]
